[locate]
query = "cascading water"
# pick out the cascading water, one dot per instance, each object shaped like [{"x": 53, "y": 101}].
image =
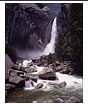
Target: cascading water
[
  {"x": 71, "y": 81},
  {"x": 50, "y": 48},
  {"x": 73, "y": 87}
]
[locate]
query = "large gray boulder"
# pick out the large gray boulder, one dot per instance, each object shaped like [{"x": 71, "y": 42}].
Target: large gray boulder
[
  {"x": 33, "y": 77},
  {"x": 18, "y": 81},
  {"x": 30, "y": 69},
  {"x": 48, "y": 74},
  {"x": 9, "y": 87}
]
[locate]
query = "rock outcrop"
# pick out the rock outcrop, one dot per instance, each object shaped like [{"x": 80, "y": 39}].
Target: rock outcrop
[
  {"x": 62, "y": 18},
  {"x": 28, "y": 26}
]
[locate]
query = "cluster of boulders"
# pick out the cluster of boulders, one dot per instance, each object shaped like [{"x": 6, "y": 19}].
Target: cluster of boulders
[
  {"x": 22, "y": 72},
  {"x": 26, "y": 71},
  {"x": 62, "y": 67}
]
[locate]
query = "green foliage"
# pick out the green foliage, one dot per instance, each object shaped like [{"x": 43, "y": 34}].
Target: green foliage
[
  {"x": 51, "y": 58},
  {"x": 11, "y": 52},
  {"x": 69, "y": 46}
]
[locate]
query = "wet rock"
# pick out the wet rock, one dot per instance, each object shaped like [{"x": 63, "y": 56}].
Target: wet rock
[
  {"x": 62, "y": 84},
  {"x": 48, "y": 74},
  {"x": 38, "y": 86},
  {"x": 12, "y": 73},
  {"x": 73, "y": 99},
  {"x": 50, "y": 66},
  {"x": 15, "y": 72},
  {"x": 59, "y": 100},
  {"x": 18, "y": 81},
  {"x": 9, "y": 87},
  {"x": 58, "y": 69},
  {"x": 33, "y": 77},
  {"x": 31, "y": 69},
  {"x": 64, "y": 68},
  {"x": 57, "y": 63},
  {"x": 50, "y": 101},
  {"x": 16, "y": 67},
  {"x": 36, "y": 61},
  {"x": 67, "y": 70},
  {"x": 19, "y": 61}
]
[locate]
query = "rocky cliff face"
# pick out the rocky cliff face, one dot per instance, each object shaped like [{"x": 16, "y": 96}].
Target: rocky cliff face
[
  {"x": 62, "y": 18},
  {"x": 28, "y": 26}
]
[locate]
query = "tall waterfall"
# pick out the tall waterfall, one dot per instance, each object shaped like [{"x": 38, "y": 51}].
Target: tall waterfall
[{"x": 50, "y": 48}]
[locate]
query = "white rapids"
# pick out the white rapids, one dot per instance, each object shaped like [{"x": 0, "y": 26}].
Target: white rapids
[{"x": 71, "y": 81}]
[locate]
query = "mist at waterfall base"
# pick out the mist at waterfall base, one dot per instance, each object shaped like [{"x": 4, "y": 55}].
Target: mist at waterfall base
[
  {"x": 31, "y": 95},
  {"x": 50, "y": 47}
]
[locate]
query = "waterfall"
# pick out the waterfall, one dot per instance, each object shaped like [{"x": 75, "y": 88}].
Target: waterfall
[{"x": 50, "y": 48}]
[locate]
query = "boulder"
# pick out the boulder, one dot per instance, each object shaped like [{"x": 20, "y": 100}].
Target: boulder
[
  {"x": 50, "y": 101},
  {"x": 12, "y": 73},
  {"x": 15, "y": 72},
  {"x": 36, "y": 61},
  {"x": 62, "y": 84},
  {"x": 48, "y": 74},
  {"x": 58, "y": 68},
  {"x": 73, "y": 99},
  {"x": 67, "y": 70},
  {"x": 18, "y": 81},
  {"x": 33, "y": 77},
  {"x": 9, "y": 87},
  {"x": 38, "y": 86},
  {"x": 31, "y": 69},
  {"x": 59, "y": 100},
  {"x": 57, "y": 63},
  {"x": 16, "y": 67}
]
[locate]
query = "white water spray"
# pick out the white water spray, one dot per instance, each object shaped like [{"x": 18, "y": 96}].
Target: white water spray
[{"x": 50, "y": 48}]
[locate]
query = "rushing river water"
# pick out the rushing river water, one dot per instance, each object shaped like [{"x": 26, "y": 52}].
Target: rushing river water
[
  {"x": 40, "y": 96},
  {"x": 31, "y": 95}
]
